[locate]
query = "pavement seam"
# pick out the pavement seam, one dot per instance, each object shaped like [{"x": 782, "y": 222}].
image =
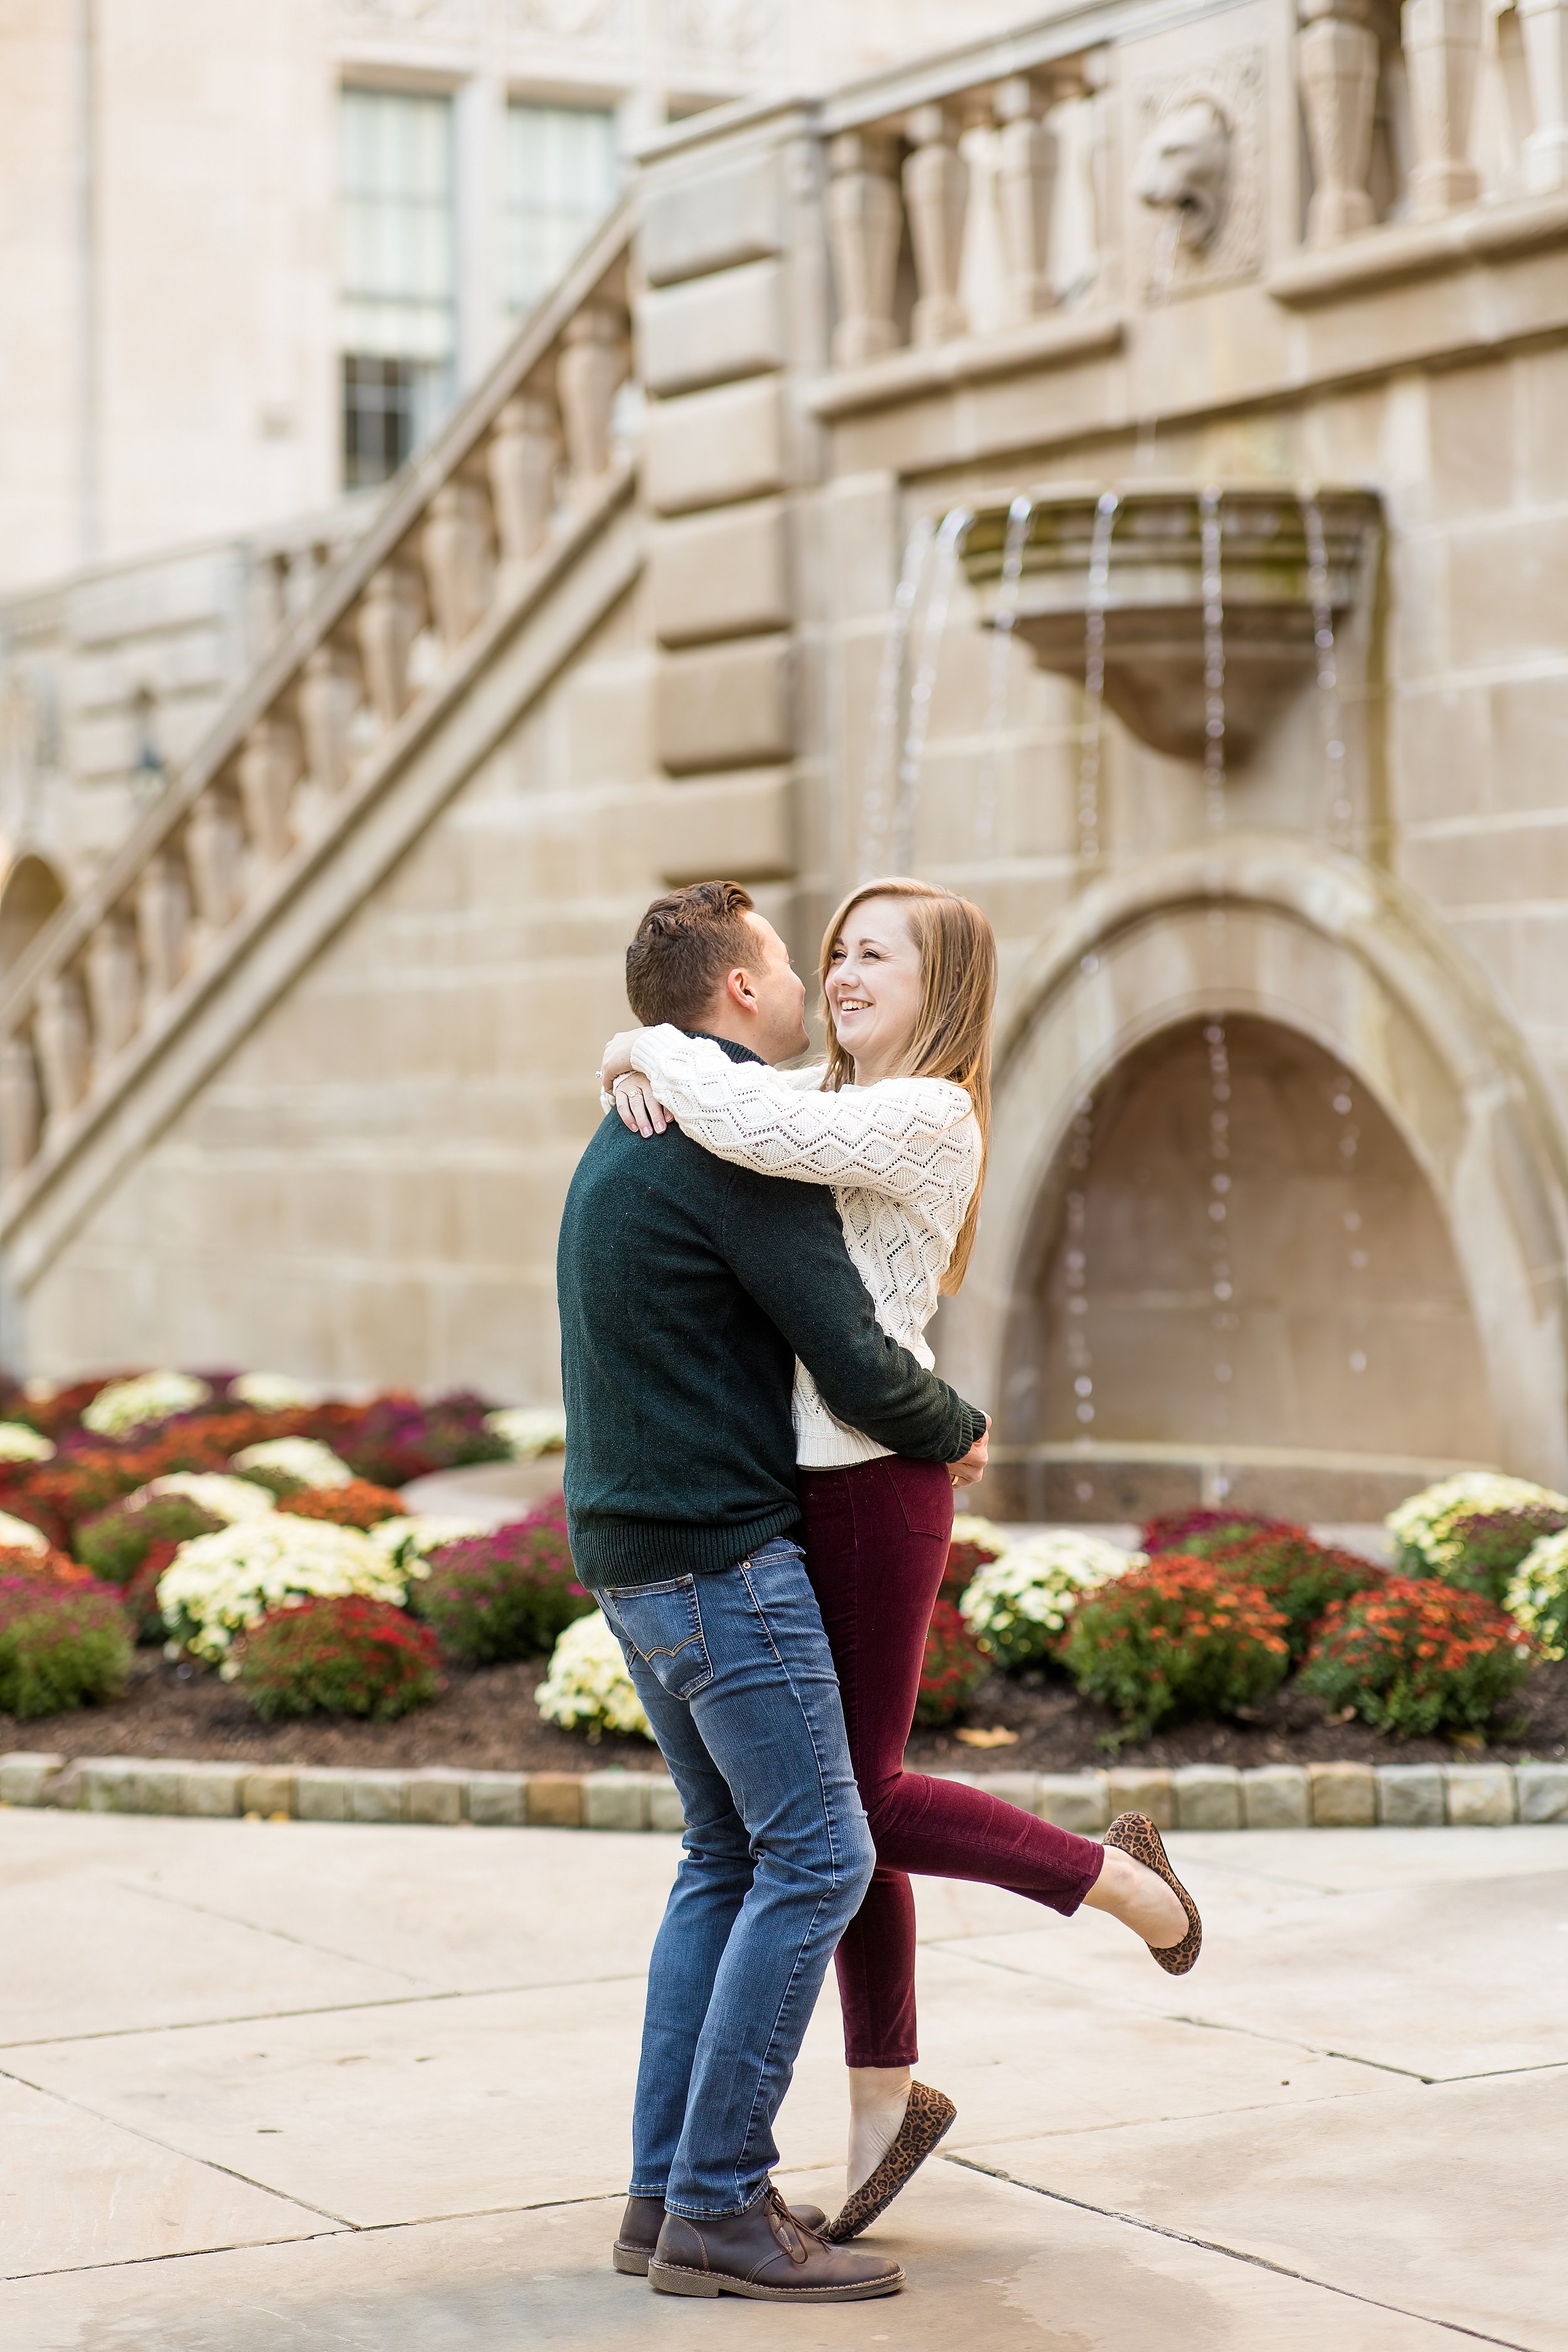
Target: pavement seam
[
  {"x": 1235, "y": 2254},
  {"x": 232, "y": 1919}
]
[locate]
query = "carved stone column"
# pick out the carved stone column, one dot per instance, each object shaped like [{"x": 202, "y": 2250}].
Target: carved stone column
[
  {"x": 114, "y": 988},
  {"x": 268, "y": 771},
  {"x": 864, "y": 229},
  {"x": 1336, "y": 65},
  {"x": 1544, "y": 25},
  {"x": 1442, "y": 59},
  {"x": 457, "y": 550},
  {"x": 523, "y": 455},
  {"x": 21, "y": 1104},
  {"x": 936, "y": 195},
  {"x": 214, "y": 841},
  {"x": 328, "y": 697},
  {"x": 589, "y": 372},
  {"x": 64, "y": 1050},
  {"x": 1027, "y": 155},
  {"x": 162, "y": 919},
  {"x": 388, "y": 622}
]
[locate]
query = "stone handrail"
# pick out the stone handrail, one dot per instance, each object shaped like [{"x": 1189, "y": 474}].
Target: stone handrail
[{"x": 470, "y": 518}]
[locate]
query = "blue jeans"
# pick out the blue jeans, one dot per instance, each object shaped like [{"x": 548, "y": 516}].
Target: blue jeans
[{"x": 734, "y": 1672}]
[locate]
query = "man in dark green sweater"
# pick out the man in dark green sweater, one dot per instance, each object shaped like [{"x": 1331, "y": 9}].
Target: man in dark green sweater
[{"x": 687, "y": 1288}]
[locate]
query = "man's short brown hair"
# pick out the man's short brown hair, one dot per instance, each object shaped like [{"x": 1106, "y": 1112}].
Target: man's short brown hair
[{"x": 685, "y": 944}]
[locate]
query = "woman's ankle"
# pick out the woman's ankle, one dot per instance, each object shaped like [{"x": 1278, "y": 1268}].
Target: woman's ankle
[
  {"x": 874, "y": 2087},
  {"x": 879, "y": 2101}
]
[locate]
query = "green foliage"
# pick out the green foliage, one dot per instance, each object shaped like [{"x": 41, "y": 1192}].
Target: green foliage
[
  {"x": 508, "y": 1594},
  {"x": 1413, "y": 1656},
  {"x": 114, "y": 1543},
  {"x": 1299, "y": 1578},
  {"x": 342, "y": 1655},
  {"x": 60, "y": 1646},
  {"x": 1181, "y": 1636}
]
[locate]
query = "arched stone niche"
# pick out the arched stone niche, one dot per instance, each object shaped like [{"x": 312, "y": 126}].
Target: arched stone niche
[
  {"x": 31, "y": 892},
  {"x": 1285, "y": 939}
]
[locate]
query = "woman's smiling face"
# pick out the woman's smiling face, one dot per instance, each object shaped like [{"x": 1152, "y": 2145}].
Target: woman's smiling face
[{"x": 874, "y": 987}]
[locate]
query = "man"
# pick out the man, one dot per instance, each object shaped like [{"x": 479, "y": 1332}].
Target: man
[{"x": 687, "y": 1288}]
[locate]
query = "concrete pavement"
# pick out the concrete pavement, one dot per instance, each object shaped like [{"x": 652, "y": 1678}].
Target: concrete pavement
[{"x": 270, "y": 2085}]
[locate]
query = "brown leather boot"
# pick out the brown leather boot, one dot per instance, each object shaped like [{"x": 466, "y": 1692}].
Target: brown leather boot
[
  {"x": 764, "y": 2253},
  {"x": 644, "y": 2218}
]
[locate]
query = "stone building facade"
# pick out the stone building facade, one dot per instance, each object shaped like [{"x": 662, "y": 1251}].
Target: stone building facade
[{"x": 1117, "y": 470}]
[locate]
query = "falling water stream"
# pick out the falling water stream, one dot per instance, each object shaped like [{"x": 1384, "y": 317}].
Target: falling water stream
[
  {"x": 1224, "y": 1318},
  {"x": 906, "y": 799},
  {"x": 877, "y": 807},
  {"x": 1020, "y": 515}
]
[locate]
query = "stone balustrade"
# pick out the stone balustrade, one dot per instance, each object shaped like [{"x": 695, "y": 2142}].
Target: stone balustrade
[{"x": 457, "y": 536}]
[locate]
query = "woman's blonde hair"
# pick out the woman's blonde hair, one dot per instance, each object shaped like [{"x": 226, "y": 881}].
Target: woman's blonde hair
[{"x": 957, "y": 948}]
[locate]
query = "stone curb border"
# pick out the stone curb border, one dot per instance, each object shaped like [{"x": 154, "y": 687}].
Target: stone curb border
[{"x": 1193, "y": 1796}]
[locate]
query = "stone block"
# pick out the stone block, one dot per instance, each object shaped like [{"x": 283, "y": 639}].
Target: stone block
[
  {"x": 665, "y": 1810},
  {"x": 109, "y": 1784},
  {"x": 324, "y": 1795},
  {"x": 1208, "y": 1796},
  {"x": 724, "y": 707},
  {"x": 1020, "y": 1788},
  {"x": 25, "y": 1775},
  {"x": 1345, "y": 1796},
  {"x": 379, "y": 1796},
  {"x": 1481, "y": 1796},
  {"x": 1073, "y": 1801},
  {"x": 556, "y": 1801},
  {"x": 1276, "y": 1797},
  {"x": 713, "y": 220},
  {"x": 498, "y": 1800},
  {"x": 723, "y": 574},
  {"x": 436, "y": 1796},
  {"x": 615, "y": 1801},
  {"x": 211, "y": 1789},
  {"x": 714, "y": 447},
  {"x": 1541, "y": 1790},
  {"x": 1410, "y": 1796},
  {"x": 267, "y": 1792},
  {"x": 714, "y": 330},
  {"x": 1132, "y": 1791},
  {"x": 742, "y": 826},
  {"x": 160, "y": 1789}
]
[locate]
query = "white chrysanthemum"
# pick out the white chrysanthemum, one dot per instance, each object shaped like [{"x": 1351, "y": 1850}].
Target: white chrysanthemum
[
  {"x": 218, "y": 1585},
  {"x": 529, "y": 1429},
  {"x": 136, "y": 1404},
  {"x": 273, "y": 1391},
  {"x": 410, "y": 1541},
  {"x": 1537, "y": 1596},
  {"x": 229, "y": 1500},
  {"x": 21, "y": 1534},
  {"x": 1016, "y": 1606},
  {"x": 305, "y": 1458},
  {"x": 20, "y": 1443},
  {"x": 587, "y": 1688},
  {"x": 1426, "y": 1526},
  {"x": 969, "y": 1527}
]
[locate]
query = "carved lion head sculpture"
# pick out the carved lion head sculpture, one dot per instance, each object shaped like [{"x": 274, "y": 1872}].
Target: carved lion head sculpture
[{"x": 1183, "y": 167}]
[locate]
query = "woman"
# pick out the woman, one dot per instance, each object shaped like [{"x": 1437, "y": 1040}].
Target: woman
[{"x": 897, "y": 1121}]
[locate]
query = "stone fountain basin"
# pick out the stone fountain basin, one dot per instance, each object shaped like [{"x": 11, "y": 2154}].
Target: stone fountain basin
[{"x": 1154, "y": 624}]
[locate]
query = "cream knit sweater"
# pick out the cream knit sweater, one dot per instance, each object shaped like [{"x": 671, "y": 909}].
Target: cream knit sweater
[{"x": 902, "y": 1158}]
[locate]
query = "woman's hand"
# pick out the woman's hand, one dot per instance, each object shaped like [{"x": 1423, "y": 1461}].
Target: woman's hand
[
  {"x": 972, "y": 1468},
  {"x": 641, "y": 1110},
  {"x": 617, "y": 1061}
]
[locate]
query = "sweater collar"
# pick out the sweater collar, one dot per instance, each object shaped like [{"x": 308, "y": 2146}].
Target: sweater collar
[{"x": 725, "y": 1046}]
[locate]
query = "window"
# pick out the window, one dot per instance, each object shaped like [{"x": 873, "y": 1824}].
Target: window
[
  {"x": 397, "y": 292},
  {"x": 562, "y": 172}
]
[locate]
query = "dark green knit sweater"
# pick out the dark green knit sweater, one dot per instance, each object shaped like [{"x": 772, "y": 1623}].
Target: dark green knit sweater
[{"x": 687, "y": 1288}]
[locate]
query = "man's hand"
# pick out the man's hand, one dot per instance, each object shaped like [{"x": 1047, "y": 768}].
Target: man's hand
[{"x": 972, "y": 1466}]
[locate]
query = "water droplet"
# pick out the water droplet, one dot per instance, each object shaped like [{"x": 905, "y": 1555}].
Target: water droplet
[{"x": 1358, "y": 1361}]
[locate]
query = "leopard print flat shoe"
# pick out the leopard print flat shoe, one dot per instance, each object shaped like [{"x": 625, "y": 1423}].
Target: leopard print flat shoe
[
  {"x": 928, "y": 2116},
  {"x": 1135, "y": 1835}
]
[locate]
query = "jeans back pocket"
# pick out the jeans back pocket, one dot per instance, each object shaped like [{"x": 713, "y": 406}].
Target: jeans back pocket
[{"x": 661, "y": 1625}]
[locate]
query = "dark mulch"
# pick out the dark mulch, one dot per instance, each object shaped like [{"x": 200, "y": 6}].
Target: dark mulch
[{"x": 488, "y": 1722}]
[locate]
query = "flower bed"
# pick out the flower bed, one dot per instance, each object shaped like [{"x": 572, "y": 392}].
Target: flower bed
[
  {"x": 1019, "y": 1604},
  {"x": 1417, "y": 1655},
  {"x": 342, "y": 1655},
  {"x": 588, "y": 1688},
  {"x": 509, "y": 1593},
  {"x": 60, "y": 1646},
  {"x": 1177, "y": 1636}
]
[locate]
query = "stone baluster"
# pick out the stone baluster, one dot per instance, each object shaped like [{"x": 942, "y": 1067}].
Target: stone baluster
[
  {"x": 388, "y": 622},
  {"x": 1027, "y": 156},
  {"x": 522, "y": 454},
  {"x": 163, "y": 920},
  {"x": 1336, "y": 66},
  {"x": 215, "y": 844},
  {"x": 65, "y": 1053},
  {"x": 1442, "y": 42},
  {"x": 1545, "y": 26},
  {"x": 265, "y": 604},
  {"x": 328, "y": 697},
  {"x": 21, "y": 1105},
  {"x": 268, "y": 771},
  {"x": 936, "y": 197},
  {"x": 113, "y": 988},
  {"x": 588, "y": 374},
  {"x": 864, "y": 229},
  {"x": 457, "y": 550}
]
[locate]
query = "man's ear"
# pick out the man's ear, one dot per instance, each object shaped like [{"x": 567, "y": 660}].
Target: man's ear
[{"x": 740, "y": 989}]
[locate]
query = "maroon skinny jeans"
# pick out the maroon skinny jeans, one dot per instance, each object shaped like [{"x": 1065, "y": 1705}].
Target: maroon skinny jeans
[{"x": 875, "y": 1544}]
